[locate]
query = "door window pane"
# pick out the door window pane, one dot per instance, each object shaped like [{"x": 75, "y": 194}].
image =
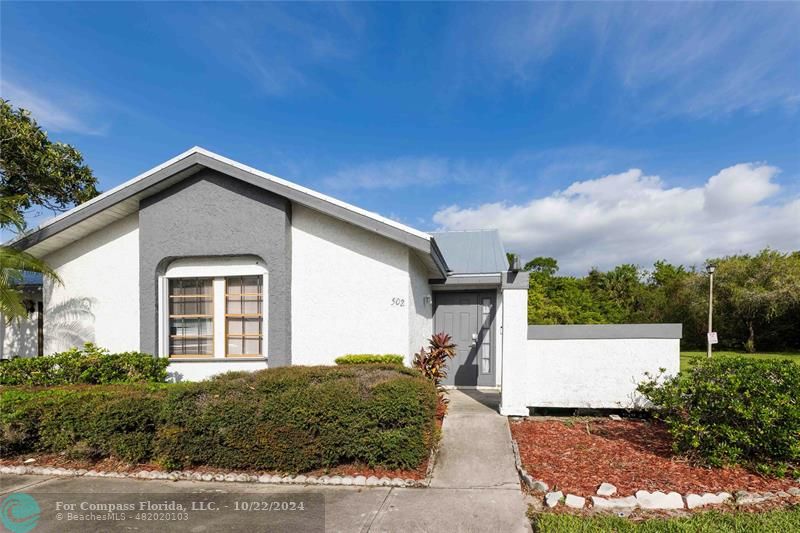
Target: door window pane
[{"x": 486, "y": 335}]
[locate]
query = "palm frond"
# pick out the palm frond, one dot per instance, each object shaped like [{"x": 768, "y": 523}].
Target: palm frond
[
  {"x": 13, "y": 263},
  {"x": 13, "y": 260},
  {"x": 11, "y": 305}
]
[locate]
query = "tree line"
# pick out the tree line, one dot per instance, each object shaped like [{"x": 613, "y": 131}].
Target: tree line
[{"x": 756, "y": 298}]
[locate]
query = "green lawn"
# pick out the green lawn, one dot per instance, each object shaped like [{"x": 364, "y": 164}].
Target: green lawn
[
  {"x": 781, "y": 521},
  {"x": 687, "y": 358}
]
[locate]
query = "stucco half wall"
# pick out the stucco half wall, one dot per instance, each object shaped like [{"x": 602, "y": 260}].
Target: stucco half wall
[{"x": 588, "y": 366}]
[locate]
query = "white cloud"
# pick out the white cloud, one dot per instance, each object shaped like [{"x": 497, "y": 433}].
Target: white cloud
[
  {"x": 60, "y": 115},
  {"x": 738, "y": 187},
  {"x": 633, "y": 217}
]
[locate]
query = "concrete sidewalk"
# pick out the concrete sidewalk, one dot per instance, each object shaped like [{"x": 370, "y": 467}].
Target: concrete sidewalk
[{"x": 474, "y": 488}]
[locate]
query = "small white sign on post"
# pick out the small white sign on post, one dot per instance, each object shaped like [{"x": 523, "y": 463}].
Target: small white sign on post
[{"x": 712, "y": 337}]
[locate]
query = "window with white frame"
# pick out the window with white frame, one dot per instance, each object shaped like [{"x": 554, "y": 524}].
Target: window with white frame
[{"x": 213, "y": 308}]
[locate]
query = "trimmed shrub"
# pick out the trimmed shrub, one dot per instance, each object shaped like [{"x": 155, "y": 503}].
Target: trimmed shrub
[
  {"x": 369, "y": 358},
  {"x": 290, "y": 419},
  {"x": 90, "y": 365},
  {"x": 83, "y": 422},
  {"x": 297, "y": 419},
  {"x": 733, "y": 410}
]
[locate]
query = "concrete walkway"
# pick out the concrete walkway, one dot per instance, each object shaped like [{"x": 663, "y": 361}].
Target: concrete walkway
[
  {"x": 474, "y": 488},
  {"x": 476, "y": 445}
]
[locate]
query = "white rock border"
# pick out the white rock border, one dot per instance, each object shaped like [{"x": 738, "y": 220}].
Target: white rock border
[
  {"x": 232, "y": 477},
  {"x": 643, "y": 498},
  {"x": 668, "y": 501},
  {"x": 536, "y": 485}
]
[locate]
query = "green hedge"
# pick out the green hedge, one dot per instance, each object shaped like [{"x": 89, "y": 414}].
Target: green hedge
[
  {"x": 88, "y": 365},
  {"x": 369, "y": 358},
  {"x": 290, "y": 419},
  {"x": 733, "y": 410},
  {"x": 84, "y": 422}
]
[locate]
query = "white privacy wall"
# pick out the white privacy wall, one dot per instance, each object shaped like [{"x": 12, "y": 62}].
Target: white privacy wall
[
  {"x": 99, "y": 299},
  {"x": 594, "y": 372},
  {"x": 513, "y": 401},
  {"x": 597, "y": 373},
  {"x": 350, "y": 290}
]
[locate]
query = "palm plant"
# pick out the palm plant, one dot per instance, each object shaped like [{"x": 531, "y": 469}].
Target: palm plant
[{"x": 14, "y": 263}]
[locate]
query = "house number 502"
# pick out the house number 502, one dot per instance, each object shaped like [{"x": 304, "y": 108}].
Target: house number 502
[{"x": 398, "y": 302}]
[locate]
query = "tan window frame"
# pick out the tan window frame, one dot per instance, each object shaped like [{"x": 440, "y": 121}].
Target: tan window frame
[{"x": 260, "y": 316}]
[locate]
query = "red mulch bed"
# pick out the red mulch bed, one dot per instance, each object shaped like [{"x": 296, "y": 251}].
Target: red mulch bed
[{"x": 576, "y": 455}]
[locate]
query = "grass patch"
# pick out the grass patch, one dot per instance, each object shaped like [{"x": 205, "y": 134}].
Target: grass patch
[
  {"x": 689, "y": 358},
  {"x": 712, "y": 521}
]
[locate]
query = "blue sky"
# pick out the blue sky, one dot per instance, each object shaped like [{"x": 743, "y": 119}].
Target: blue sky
[{"x": 596, "y": 133}]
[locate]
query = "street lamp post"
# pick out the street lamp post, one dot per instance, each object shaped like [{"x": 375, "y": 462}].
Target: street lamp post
[{"x": 710, "y": 269}]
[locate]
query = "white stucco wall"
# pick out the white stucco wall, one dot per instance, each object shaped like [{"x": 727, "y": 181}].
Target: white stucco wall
[
  {"x": 99, "y": 299},
  {"x": 200, "y": 370},
  {"x": 420, "y": 307},
  {"x": 19, "y": 337},
  {"x": 592, "y": 373},
  {"x": 514, "y": 366},
  {"x": 498, "y": 343},
  {"x": 348, "y": 285}
]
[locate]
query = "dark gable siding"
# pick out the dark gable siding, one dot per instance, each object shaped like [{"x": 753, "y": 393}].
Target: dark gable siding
[{"x": 212, "y": 214}]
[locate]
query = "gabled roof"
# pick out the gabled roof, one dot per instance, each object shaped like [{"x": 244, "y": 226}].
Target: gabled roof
[
  {"x": 473, "y": 252},
  {"x": 123, "y": 200}
]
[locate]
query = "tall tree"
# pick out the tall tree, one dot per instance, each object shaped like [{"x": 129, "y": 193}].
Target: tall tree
[
  {"x": 548, "y": 265},
  {"x": 755, "y": 290},
  {"x": 34, "y": 171}
]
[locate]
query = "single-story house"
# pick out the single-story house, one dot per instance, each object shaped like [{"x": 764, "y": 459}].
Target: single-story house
[{"x": 220, "y": 266}]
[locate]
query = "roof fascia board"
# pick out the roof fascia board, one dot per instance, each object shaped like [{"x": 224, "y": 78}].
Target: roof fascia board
[
  {"x": 493, "y": 280},
  {"x": 311, "y": 192},
  {"x": 178, "y": 169},
  {"x": 314, "y": 201},
  {"x": 438, "y": 258},
  {"x": 100, "y": 198},
  {"x": 192, "y": 159}
]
